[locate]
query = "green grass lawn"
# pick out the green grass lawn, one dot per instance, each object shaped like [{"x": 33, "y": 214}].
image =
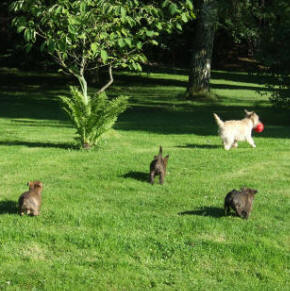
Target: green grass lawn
[{"x": 104, "y": 227}]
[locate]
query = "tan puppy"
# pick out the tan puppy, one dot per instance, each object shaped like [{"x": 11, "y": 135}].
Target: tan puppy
[
  {"x": 232, "y": 131},
  {"x": 30, "y": 202}
]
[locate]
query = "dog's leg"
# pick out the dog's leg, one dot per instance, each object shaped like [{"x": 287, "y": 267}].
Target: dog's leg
[
  {"x": 245, "y": 214},
  {"x": 35, "y": 213},
  {"x": 239, "y": 211},
  {"x": 228, "y": 143},
  {"x": 226, "y": 206},
  {"x": 251, "y": 141},
  {"x": 161, "y": 178},
  {"x": 151, "y": 178},
  {"x": 21, "y": 211},
  {"x": 235, "y": 144},
  {"x": 227, "y": 146},
  {"x": 227, "y": 209}
]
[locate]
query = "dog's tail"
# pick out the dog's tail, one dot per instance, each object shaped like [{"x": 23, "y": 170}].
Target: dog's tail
[
  {"x": 219, "y": 122},
  {"x": 160, "y": 153}
]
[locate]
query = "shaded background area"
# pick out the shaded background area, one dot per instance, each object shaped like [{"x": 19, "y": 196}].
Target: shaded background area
[{"x": 34, "y": 95}]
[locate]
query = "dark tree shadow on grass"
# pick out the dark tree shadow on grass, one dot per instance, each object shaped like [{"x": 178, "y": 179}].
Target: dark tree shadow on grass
[
  {"x": 39, "y": 144},
  {"x": 149, "y": 81},
  {"x": 205, "y": 211},
  {"x": 8, "y": 207},
  {"x": 199, "y": 146},
  {"x": 33, "y": 95},
  {"x": 30, "y": 123},
  {"x": 140, "y": 176},
  {"x": 199, "y": 120}
]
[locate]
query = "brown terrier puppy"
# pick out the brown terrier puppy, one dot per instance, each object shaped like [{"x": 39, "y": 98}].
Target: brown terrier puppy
[
  {"x": 158, "y": 167},
  {"x": 30, "y": 202},
  {"x": 240, "y": 201}
]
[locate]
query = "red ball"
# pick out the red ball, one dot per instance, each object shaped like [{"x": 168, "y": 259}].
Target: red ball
[{"x": 259, "y": 127}]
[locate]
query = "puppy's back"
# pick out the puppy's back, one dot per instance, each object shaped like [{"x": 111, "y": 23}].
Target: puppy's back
[
  {"x": 30, "y": 197},
  {"x": 30, "y": 202},
  {"x": 240, "y": 199}
]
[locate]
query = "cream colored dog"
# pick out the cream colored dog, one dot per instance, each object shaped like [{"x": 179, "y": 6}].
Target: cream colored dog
[{"x": 232, "y": 131}]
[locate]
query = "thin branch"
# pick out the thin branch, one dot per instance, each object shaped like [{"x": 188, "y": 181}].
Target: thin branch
[
  {"x": 109, "y": 83},
  {"x": 63, "y": 64}
]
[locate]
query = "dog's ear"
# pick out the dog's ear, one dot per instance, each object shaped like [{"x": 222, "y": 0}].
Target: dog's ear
[
  {"x": 155, "y": 157},
  {"x": 38, "y": 184},
  {"x": 248, "y": 113},
  {"x": 234, "y": 192},
  {"x": 166, "y": 158},
  {"x": 251, "y": 191}
]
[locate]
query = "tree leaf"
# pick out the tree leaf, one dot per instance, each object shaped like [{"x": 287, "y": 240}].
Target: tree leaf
[
  {"x": 20, "y": 28},
  {"x": 149, "y": 33},
  {"x": 189, "y": 4},
  {"x": 58, "y": 10},
  {"x": 121, "y": 42},
  {"x": 104, "y": 56},
  {"x": 183, "y": 17},
  {"x": 128, "y": 41},
  {"x": 165, "y": 3},
  {"x": 159, "y": 25},
  {"x": 154, "y": 42},
  {"x": 123, "y": 11},
  {"x": 83, "y": 7},
  {"x": 173, "y": 9},
  {"x": 94, "y": 47},
  {"x": 178, "y": 26}
]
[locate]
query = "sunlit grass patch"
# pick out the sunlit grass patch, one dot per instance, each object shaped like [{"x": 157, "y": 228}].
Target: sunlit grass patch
[{"x": 103, "y": 226}]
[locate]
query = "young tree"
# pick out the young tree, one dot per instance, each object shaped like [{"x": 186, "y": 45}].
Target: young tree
[{"x": 85, "y": 35}]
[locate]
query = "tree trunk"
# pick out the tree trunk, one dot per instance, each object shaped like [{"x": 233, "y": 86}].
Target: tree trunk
[
  {"x": 200, "y": 70},
  {"x": 84, "y": 87}
]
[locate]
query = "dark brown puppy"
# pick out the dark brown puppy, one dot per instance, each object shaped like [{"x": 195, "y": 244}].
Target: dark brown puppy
[
  {"x": 30, "y": 202},
  {"x": 158, "y": 167},
  {"x": 240, "y": 201}
]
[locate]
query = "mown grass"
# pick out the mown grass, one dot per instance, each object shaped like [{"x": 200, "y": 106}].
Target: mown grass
[{"x": 104, "y": 227}]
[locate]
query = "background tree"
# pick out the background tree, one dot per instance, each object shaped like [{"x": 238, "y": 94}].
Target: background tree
[
  {"x": 92, "y": 34},
  {"x": 264, "y": 27},
  {"x": 274, "y": 51},
  {"x": 200, "y": 70},
  {"x": 242, "y": 20}
]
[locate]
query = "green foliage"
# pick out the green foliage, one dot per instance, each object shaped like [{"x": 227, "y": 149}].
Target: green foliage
[
  {"x": 241, "y": 19},
  {"x": 90, "y": 34},
  {"x": 264, "y": 26},
  {"x": 92, "y": 117},
  {"x": 275, "y": 51}
]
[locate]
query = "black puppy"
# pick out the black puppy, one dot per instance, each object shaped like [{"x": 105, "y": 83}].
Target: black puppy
[
  {"x": 158, "y": 167},
  {"x": 240, "y": 201}
]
